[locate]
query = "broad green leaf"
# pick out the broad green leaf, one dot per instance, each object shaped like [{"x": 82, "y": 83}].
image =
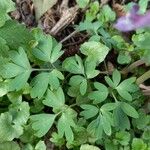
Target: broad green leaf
[
  {"x": 125, "y": 87},
  {"x": 20, "y": 113},
  {"x": 95, "y": 128},
  {"x": 82, "y": 3},
  {"x": 55, "y": 98},
  {"x": 101, "y": 94},
  {"x": 106, "y": 125},
  {"x": 19, "y": 69},
  {"x": 8, "y": 129},
  {"x": 65, "y": 124},
  {"x": 6, "y": 6},
  {"x": 109, "y": 145},
  {"x": 39, "y": 85},
  {"x": 116, "y": 77},
  {"x": 79, "y": 82},
  {"x": 56, "y": 52},
  {"x": 124, "y": 58},
  {"x": 95, "y": 51},
  {"x": 129, "y": 110},
  {"x": 138, "y": 144},
  {"x": 142, "y": 121},
  {"x": 9, "y": 146},
  {"x": 91, "y": 13},
  {"x": 4, "y": 49},
  {"x": 83, "y": 87},
  {"x": 143, "y": 6},
  {"x": 41, "y": 7},
  {"x": 40, "y": 146},
  {"x": 74, "y": 65},
  {"x": 90, "y": 70},
  {"x": 4, "y": 88},
  {"x": 41, "y": 123},
  {"x": 123, "y": 137},
  {"x": 106, "y": 14},
  {"x": 90, "y": 27},
  {"x": 121, "y": 120},
  {"x": 89, "y": 147},
  {"x": 21, "y": 35},
  {"x": 124, "y": 94},
  {"x": 109, "y": 106},
  {"x": 89, "y": 111},
  {"x": 126, "y": 84},
  {"x": 44, "y": 47},
  {"x": 109, "y": 82},
  {"x": 54, "y": 77},
  {"x": 146, "y": 134}
]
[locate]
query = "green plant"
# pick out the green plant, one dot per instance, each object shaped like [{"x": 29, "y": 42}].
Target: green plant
[{"x": 71, "y": 102}]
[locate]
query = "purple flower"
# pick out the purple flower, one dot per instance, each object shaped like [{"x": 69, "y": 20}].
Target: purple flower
[{"x": 133, "y": 20}]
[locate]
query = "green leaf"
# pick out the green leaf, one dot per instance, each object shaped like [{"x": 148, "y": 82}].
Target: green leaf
[
  {"x": 39, "y": 85},
  {"x": 20, "y": 113},
  {"x": 54, "y": 77},
  {"x": 46, "y": 49},
  {"x": 109, "y": 145},
  {"x": 90, "y": 27},
  {"x": 40, "y": 146},
  {"x": 82, "y": 3},
  {"x": 73, "y": 65},
  {"x": 123, "y": 137},
  {"x": 124, "y": 58},
  {"x": 8, "y": 129},
  {"x": 41, "y": 123},
  {"x": 106, "y": 125},
  {"x": 95, "y": 128},
  {"x": 109, "y": 82},
  {"x": 129, "y": 110},
  {"x": 109, "y": 106},
  {"x": 121, "y": 120},
  {"x": 89, "y": 147},
  {"x": 55, "y": 98},
  {"x": 9, "y": 146},
  {"x": 89, "y": 111},
  {"x": 143, "y": 6},
  {"x": 100, "y": 95},
  {"x": 91, "y": 13},
  {"x": 95, "y": 51},
  {"x": 125, "y": 87},
  {"x": 65, "y": 124},
  {"x": 138, "y": 144},
  {"x": 116, "y": 77},
  {"x": 142, "y": 121},
  {"x": 4, "y": 49},
  {"x": 41, "y": 7},
  {"x": 83, "y": 87},
  {"x": 6, "y": 6},
  {"x": 56, "y": 52},
  {"x": 19, "y": 69},
  {"x": 21, "y": 35},
  {"x": 90, "y": 69},
  {"x": 4, "y": 88},
  {"x": 79, "y": 82},
  {"x": 106, "y": 14}
]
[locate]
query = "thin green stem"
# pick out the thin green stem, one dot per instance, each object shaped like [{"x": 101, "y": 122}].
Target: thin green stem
[
  {"x": 42, "y": 69},
  {"x": 143, "y": 78},
  {"x": 114, "y": 97}
]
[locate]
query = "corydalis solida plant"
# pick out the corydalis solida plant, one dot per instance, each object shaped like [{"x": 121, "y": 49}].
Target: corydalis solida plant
[{"x": 133, "y": 20}]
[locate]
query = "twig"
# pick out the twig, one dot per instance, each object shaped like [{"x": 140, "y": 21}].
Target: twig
[
  {"x": 143, "y": 78},
  {"x": 67, "y": 17},
  {"x": 69, "y": 36},
  {"x": 132, "y": 66}
]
